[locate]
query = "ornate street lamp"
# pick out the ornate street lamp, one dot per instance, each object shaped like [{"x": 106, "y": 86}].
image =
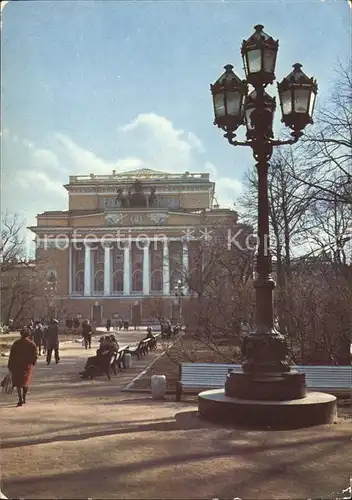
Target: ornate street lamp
[
  {"x": 297, "y": 95},
  {"x": 259, "y": 57},
  {"x": 179, "y": 292},
  {"x": 251, "y": 114},
  {"x": 50, "y": 291},
  {"x": 229, "y": 93},
  {"x": 266, "y": 375}
]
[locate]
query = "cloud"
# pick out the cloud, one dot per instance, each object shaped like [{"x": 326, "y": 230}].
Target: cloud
[
  {"x": 44, "y": 158},
  {"x": 162, "y": 146},
  {"x": 40, "y": 181},
  {"x": 83, "y": 160},
  {"x": 195, "y": 142},
  {"x": 167, "y": 149},
  {"x": 148, "y": 141},
  {"x": 227, "y": 191}
]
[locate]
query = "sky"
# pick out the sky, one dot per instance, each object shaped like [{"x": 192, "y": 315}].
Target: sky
[{"x": 95, "y": 86}]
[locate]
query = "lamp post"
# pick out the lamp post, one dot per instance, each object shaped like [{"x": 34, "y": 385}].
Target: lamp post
[
  {"x": 179, "y": 293},
  {"x": 50, "y": 291},
  {"x": 266, "y": 374}
]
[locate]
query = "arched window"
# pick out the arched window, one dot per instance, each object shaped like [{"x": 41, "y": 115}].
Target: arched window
[
  {"x": 157, "y": 280},
  {"x": 99, "y": 281},
  {"x": 118, "y": 281},
  {"x": 137, "y": 281},
  {"x": 79, "y": 281}
]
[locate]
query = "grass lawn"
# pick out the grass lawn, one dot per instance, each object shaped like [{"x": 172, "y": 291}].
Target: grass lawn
[{"x": 182, "y": 351}]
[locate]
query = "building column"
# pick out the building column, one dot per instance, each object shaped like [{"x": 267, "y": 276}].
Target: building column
[
  {"x": 166, "y": 268},
  {"x": 87, "y": 270},
  {"x": 185, "y": 266},
  {"x": 127, "y": 268},
  {"x": 146, "y": 269},
  {"x": 70, "y": 269},
  {"x": 107, "y": 269}
]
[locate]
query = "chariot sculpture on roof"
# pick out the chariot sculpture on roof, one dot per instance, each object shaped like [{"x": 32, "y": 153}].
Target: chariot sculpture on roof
[{"x": 135, "y": 196}]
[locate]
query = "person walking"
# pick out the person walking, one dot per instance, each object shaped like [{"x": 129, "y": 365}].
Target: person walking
[
  {"x": 23, "y": 357},
  {"x": 108, "y": 325},
  {"x": 38, "y": 337},
  {"x": 53, "y": 342},
  {"x": 87, "y": 334}
]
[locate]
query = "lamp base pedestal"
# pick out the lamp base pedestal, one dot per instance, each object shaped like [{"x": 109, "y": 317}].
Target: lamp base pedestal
[
  {"x": 316, "y": 408},
  {"x": 266, "y": 386}
]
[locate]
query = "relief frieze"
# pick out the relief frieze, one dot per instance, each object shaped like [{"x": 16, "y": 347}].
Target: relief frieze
[{"x": 135, "y": 219}]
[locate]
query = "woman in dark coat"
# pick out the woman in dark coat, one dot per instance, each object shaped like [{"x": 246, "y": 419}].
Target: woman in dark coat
[{"x": 23, "y": 357}]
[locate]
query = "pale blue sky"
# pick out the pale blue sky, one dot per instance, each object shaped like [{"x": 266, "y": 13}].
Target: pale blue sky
[{"x": 88, "y": 86}]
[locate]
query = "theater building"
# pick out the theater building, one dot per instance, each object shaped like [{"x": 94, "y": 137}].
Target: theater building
[{"x": 125, "y": 242}]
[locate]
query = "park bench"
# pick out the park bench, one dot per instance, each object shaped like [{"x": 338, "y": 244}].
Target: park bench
[
  {"x": 154, "y": 341},
  {"x": 140, "y": 349},
  {"x": 109, "y": 366},
  {"x": 196, "y": 377},
  {"x": 146, "y": 343},
  {"x": 336, "y": 380},
  {"x": 120, "y": 358}
]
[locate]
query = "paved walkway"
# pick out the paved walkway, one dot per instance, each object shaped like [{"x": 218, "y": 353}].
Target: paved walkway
[{"x": 82, "y": 439}]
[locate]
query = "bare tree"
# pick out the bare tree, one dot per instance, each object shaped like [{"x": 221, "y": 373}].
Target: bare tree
[
  {"x": 22, "y": 282},
  {"x": 327, "y": 148},
  {"x": 289, "y": 203},
  {"x": 21, "y": 286},
  {"x": 12, "y": 245},
  {"x": 221, "y": 295}
]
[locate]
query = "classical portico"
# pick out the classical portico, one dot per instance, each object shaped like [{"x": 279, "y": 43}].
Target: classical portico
[{"x": 125, "y": 268}]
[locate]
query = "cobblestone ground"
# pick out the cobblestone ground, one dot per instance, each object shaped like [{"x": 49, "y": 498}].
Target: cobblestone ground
[{"x": 83, "y": 439}]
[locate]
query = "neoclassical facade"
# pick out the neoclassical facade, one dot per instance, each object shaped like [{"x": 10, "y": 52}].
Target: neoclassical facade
[{"x": 125, "y": 242}]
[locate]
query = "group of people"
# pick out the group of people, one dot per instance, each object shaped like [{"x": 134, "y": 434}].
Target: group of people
[
  {"x": 37, "y": 339},
  {"x": 25, "y": 351},
  {"x": 45, "y": 338},
  {"x": 121, "y": 323},
  {"x": 167, "y": 329}
]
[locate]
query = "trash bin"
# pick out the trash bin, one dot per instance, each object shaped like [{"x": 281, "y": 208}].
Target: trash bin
[
  {"x": 158, "y": 385},
  {"x": 128, "y": 360}
]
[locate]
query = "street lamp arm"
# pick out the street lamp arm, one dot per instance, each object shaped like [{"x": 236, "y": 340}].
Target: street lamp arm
[
  {"x": 295, "y": 138},
  {"x": 230, "y": 136},
  {"x": 238, "y": 143},
  {"x": 272, "y": 142}
]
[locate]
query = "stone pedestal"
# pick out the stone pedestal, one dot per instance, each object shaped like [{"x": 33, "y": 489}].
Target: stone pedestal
[
  {"x": 266, "y": 386},
  {"x": 316, "y": 408}
]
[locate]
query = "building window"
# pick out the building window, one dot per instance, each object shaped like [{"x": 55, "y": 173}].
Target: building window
[
  {"x": 118, "y": 281},
  {"x": 79, "y": 281},
  {"x": 137, "y": 281},
  {"x": 99, "y": 281},
  {"x": 119, "y": 257},
  {"x": 157, "y": 280}
]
